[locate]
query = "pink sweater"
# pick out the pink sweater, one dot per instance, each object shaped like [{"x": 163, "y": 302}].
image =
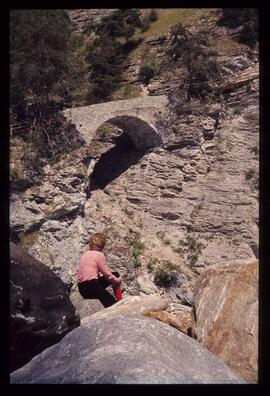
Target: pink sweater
[{"x": 92, "y": 263}]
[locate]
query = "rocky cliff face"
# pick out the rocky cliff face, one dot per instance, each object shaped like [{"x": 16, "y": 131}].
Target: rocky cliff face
[
  {"x": 170, "y": 212},
  {"x": 191, "y": 204},
  {"x": 81, "y": 17}
]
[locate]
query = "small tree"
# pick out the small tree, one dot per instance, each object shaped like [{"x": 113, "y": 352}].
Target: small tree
[
  {"x": 190, "y": 49},
  {"x": 153, "y": 16},
  {"x": 105, "y": 58},
  {"x": 247, "y": 17},
  {"x": 39, "y": 58},
  {"x": 148, "y": 71},
  {"x": 120, "y": 23},
  {"x": 145, "y": 23},
  {"x": 40, "y": 76},
  {"x": 107, "y": 53},
  {"x": 148, "y": 19}
]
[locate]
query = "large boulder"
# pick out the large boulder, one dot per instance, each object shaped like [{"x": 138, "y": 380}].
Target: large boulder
[
  {"x": 125, "y": 349},
  {"x": 226, "y": 304},
  {"x": 85, "y": 307},
  {"x": 91, "y": 309},
  {"x": 183, "y": 322},
  {"x": 40, "y": 309},
  {"x": 130, "y": 305}
]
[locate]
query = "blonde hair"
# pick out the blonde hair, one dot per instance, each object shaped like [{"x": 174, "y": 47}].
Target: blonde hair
[{"x": 97, "y": 241}]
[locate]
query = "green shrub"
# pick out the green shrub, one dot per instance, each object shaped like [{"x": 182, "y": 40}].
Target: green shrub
[
  {"x": 237, "y": 111},
  {"x": 166, "y": 274},
  {"x": 145, "y": 23},
  {"x": 246, "y": 17},
  {"x": 138, "y": 248},
  {"x": 128, "y": 212},
  {"x": 137, "y": 262},
  {"x": 153, "y": 16},
  {"x": 164, "y": 277},
  {"x": 151, "y": 264},
  {"x": 148, "y": 19},
  {"x": 193, "y": 245},
  {"x": 148, "y": 71},
  {"x": 193, "y": 258},
  {"x": 189, "y": 50}
]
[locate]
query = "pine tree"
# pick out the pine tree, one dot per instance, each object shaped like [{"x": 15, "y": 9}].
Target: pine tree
[
  {"x": 190, "y": 49},
  {"x": 40, "y": 77},
  {"x": 107, "y": 53},
  {"x": 39, "y": 64},
  {"x": 247, "y": 17}
]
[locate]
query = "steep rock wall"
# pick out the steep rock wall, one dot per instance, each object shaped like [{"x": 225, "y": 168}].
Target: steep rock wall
[{"x": 193, "y": 203}]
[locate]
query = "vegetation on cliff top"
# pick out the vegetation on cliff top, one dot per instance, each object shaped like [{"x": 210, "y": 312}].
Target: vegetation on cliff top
[
  {"x": 112, "y": 43},
  {"x": 44, "y": 70}
]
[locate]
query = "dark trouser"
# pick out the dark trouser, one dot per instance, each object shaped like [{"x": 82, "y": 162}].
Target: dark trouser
[{"x": 95, "y": 288}]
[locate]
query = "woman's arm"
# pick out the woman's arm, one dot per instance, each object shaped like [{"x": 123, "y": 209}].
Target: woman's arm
[{"x": 104, "y": 269}]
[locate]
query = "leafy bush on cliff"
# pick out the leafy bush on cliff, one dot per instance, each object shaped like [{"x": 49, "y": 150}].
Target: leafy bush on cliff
[
  {"x": 245, "y": 17},
  {"x": 107, "y": 53},
  {"x": 148, "y": 71},
  {"x": 153, "y": 16},
  {"x": 105, "y": 58},
  {"x": 166, "y": 274},
  {"x": 189, "y": 50},
  {"x": 120, "y": 23},
  {"x": 148, "y": 19}
]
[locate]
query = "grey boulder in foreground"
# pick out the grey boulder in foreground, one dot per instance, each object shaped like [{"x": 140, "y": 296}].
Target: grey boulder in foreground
[
  {"x": 41, "y": 312},
  {"x": 126, "y": 349}
]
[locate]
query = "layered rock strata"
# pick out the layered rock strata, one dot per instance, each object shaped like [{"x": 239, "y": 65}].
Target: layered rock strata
[{"x": 183, "y": 207}]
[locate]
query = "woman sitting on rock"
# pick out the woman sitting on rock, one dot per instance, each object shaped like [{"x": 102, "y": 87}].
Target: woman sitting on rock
[{"x": 94, "y": 275}]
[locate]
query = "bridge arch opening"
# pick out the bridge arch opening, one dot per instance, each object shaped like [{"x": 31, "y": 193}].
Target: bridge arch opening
[{"x": 119, "y": 143}]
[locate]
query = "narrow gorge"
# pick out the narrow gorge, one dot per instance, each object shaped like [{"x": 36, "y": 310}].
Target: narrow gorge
[{"x": 174, "y": 186}]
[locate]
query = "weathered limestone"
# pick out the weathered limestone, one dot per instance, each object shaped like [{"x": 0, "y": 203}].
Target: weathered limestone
[
  {"x": 189, "y": 202},
  {"x": 226, "y": 304},
  {"x": 192, "y": 202},
  {"x": 146, "y": 285}
]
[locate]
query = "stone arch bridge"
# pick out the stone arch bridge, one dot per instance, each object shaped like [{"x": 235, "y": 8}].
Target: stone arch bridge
[{"x": 138, "y": 117}]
